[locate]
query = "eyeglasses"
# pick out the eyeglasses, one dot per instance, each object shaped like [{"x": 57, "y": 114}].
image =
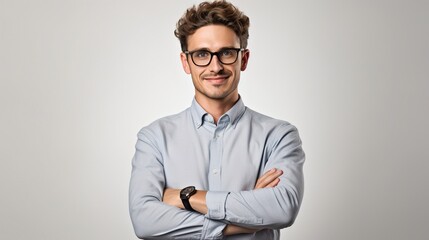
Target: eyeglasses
[{"x": 203, "y": 58}]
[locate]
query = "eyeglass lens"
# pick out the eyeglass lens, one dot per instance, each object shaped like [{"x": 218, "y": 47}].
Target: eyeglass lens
[{"x": 204, "y": 57}]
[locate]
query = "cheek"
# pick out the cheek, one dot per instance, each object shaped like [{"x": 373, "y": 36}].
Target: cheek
[
  {"x": 198, "y": 72},
  {"x": 236, "y": 72},
  {"x": 196, "y": 75}
]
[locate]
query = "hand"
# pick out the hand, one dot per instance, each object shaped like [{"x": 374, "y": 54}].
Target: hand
[
  {"x": 233, "y": 229},
  {"x": 269, "y": 179}
]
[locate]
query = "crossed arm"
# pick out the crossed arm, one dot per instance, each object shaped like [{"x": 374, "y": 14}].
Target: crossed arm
[
  {"x": 157, "y": 212},
  {"x": 198, "y": 201}
]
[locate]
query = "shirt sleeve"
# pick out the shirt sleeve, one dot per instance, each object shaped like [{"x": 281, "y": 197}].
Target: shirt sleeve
[
  {"x": 151, "y": 218},
  {"x": 273, "y": 208}
]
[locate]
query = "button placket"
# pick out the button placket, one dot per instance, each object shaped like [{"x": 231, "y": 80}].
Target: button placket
[{"x": 216, "y": 158}]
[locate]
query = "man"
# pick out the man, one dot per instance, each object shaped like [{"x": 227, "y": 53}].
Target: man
[{"x": 217, "y": 170}]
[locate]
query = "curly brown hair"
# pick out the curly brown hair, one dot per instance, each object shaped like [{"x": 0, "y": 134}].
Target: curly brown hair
[{"x": 206, "y": 13}]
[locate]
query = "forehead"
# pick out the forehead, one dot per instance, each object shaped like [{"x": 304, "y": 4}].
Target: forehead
[{"x": 213, "y": 37}]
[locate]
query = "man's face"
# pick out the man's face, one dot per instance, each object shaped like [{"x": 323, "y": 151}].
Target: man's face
[{"x": 215, "y": 81}]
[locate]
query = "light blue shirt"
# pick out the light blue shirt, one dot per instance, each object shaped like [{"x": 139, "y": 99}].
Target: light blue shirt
[{"x": 189, "y": 149}]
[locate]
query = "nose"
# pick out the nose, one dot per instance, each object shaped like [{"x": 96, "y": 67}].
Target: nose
[{"x": 215, "y": 65}]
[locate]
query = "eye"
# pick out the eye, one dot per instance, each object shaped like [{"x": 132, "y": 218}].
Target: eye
[
  {"x": 201, "y": 54},
  {"x": 227, "y": 53}
]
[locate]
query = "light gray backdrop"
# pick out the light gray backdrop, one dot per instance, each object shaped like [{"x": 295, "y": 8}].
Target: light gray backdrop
[{"x": 80, "y": 78}]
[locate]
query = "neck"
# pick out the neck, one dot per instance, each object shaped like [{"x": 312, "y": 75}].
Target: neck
[{"x": 217, "y": 107}]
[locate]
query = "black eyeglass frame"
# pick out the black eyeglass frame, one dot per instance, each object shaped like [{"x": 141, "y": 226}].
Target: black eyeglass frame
[{"x": 213, "y": 53}]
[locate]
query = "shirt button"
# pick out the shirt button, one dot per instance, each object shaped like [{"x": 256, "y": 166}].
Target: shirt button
[{"x": 215, "y": 171}]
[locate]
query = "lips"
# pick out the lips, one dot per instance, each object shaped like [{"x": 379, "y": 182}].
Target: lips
[{"x": 216, "y": 79}]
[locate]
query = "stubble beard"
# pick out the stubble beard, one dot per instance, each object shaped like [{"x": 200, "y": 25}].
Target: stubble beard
[{"x": 216, "y": 92}]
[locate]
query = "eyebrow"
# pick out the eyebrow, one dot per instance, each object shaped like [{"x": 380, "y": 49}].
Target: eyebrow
[{"x": 206, "y": 49}]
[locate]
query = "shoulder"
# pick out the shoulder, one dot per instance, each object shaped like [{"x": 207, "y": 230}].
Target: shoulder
[
  {"x": 164, "y": 124},
  {"x": 267, "y": 122},
  {"x": 278, "y": 134},
  {"x": 273, "y": 129}
]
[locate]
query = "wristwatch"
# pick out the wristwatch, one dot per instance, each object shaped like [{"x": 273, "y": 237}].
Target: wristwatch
[{"x": 185, "y": 194}]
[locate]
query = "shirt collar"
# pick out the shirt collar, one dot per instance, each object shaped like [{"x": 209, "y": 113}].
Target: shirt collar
[{"x": 198, "y": 113}]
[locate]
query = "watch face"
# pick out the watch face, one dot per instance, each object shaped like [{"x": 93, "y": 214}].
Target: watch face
[{"x": 187, "y": 191}]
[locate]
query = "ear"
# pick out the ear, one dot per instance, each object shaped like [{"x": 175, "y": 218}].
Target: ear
[
  {"x": 185, "y": 64},
  {"x": 245, "y": 59}
]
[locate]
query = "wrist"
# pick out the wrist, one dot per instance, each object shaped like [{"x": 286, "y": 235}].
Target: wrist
[
  {"x": 185, "y": 196},
  {"x": 198, "y": 202},
  {"x": 191, "y": 199}
]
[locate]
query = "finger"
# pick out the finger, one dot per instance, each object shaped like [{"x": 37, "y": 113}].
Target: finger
[
  {"x": 268, "y": 178},
  {"x": 263, "y": 177},
  {"x": 267, "y": 174},
  {"x": 269, "y": 182},
  {"x": 273, "y": 183},
  {"x": 271, "y": 176}
]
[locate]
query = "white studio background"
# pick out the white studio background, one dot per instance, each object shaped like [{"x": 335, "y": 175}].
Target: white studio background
[{"x": 78, "y": 79}]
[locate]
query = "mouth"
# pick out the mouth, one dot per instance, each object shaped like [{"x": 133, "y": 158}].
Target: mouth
[{"x": 217, "y": 79}]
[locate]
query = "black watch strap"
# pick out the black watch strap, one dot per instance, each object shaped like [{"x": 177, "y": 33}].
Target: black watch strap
[
  {"x": 185, "y": 194},
  {"x": 187, "y": 205}
]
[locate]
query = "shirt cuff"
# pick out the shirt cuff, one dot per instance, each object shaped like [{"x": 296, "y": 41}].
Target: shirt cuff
[
  {"x": 215, "y": 202},
  {"x": 212, "y": 229}
]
